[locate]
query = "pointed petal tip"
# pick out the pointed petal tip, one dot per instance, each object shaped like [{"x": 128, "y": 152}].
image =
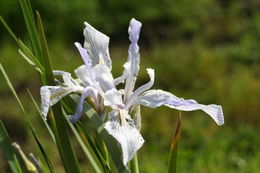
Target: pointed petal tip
[
  {"x": 220, "y": 116},
  {"x": 216, "y": 113},
  {"x": 151, "y": 73},
  {"x": 96, "y": 43},
  {"x": 134, "y": 30},
  {"x": 77, "y": 44},
  {"x": 87, "y": 24},
  {"x": 135, "y": 22}
]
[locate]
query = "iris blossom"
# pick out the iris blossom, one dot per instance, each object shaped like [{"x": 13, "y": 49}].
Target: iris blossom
[{"x": 95, "y": 80}]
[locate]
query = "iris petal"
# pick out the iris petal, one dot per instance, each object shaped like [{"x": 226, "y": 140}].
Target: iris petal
[
  {"x": 122, "y": 128},
  {"x": 103, "y": 77},
  {"x": 66, "y": 77},
  {"x": 84, "y": 55},
  {"x": 134, "y": 30},
  {"x": 96, "y": 44},
  {"x": 83, "y": 74},
  {"x": 50, "y": 95},
  {"x": 142, "y": 88},
  {"x": 87, "y": 91},
  {"x": 155, "y": 98},
  {"x": 133, "y": 60},
  {"x": 113, "y": 98}
]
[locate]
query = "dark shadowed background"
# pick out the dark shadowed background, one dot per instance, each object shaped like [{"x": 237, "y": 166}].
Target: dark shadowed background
[{"x": 207, "y": 50}]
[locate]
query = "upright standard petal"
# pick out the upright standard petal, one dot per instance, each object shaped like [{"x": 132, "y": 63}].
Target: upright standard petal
[
  {"x": 133, "y": 61},
  {"x": 142, "y": 88},
  {"x": 134, "y": 30},
  {"x": 122, "y": 128},
  {"x": 113, "y": 98},
  {"x": 84, "y": 75},
  {"x": 155, "y": 98},
  {"x": 96, "y": 44},
  {"x": 88, "y": 76},
  {"x": 84, "y": 55},
  {"x": 103, "y": 77},
  {"x": 50, "y": 95}
]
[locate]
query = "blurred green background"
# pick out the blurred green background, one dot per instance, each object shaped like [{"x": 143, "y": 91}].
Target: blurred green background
[{"x": 207, "y": 50}]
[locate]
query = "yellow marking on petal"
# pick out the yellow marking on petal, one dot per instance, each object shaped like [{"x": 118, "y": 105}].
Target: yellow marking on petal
[
  {"x": 101, "y": 61},
  {"x": 122, "y": 119},
  {"x": 59, "y": 93}
]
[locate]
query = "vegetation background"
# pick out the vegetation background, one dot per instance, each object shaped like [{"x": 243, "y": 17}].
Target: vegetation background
[{"x": 202, "y": 49}]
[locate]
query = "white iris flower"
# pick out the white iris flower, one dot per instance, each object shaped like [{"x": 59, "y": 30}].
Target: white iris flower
[{"x": 95, "y": 80}]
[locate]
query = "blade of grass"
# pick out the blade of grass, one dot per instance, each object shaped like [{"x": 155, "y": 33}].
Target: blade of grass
[
  {"x": 92, "y": 148},
  {"x": 29, "y": 54},
  {"x": 66, "y": 151},
  {"x": 101, "y": 146},
  {"x": 29, "y": 61},
  {"x": 92, "y": 160},
  {"x": 45, "y": 51},
  {"x": 27, "y": 120},
  {"x": 23, "y": 47},
  {"x": 8, "y": 151},
  {"x": 173, "y": 158},
  {"x": 31, "y": 27},
  {"x": 87, "y": 140}
]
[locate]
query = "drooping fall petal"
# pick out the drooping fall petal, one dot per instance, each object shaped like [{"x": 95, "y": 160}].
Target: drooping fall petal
[
  {"x": 122, "y": 128},
  {"x": 155, "y": 98}
]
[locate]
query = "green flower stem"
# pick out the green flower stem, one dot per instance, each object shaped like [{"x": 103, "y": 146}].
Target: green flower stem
[
  {"x": 134, "y": 164},
  {"x": 173, "y": 159}
]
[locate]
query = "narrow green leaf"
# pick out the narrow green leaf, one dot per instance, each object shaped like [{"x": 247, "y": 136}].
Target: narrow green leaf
[
  {"x": 45, "y": 52},
  {"x": 101, "y": 146},
  {"x": 90, "y": 146},
  {"x": 23, "y": 47},
  {"x": 31, "y": 27},
  {"x": 29, "y": 61},
  {"x": 29, "y": 54},
  {"x": 87, "y": 140},
  {"x": 66, "y": 151},
  {"x": 27, "y": 119},
  {"x": 91, "y": 158},
  {"x": 8, "y": 151},
  {"x": 9, "y": 30},
  {"x": 67, "y": 154},
  {"x": 46, "y": 158},
  {"x": 173, "y": 158}
]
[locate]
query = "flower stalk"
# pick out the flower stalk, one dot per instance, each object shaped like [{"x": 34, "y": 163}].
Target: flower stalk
[
  {"x": 173, "y": 158},
  {"x": 134, "y": 167}
]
